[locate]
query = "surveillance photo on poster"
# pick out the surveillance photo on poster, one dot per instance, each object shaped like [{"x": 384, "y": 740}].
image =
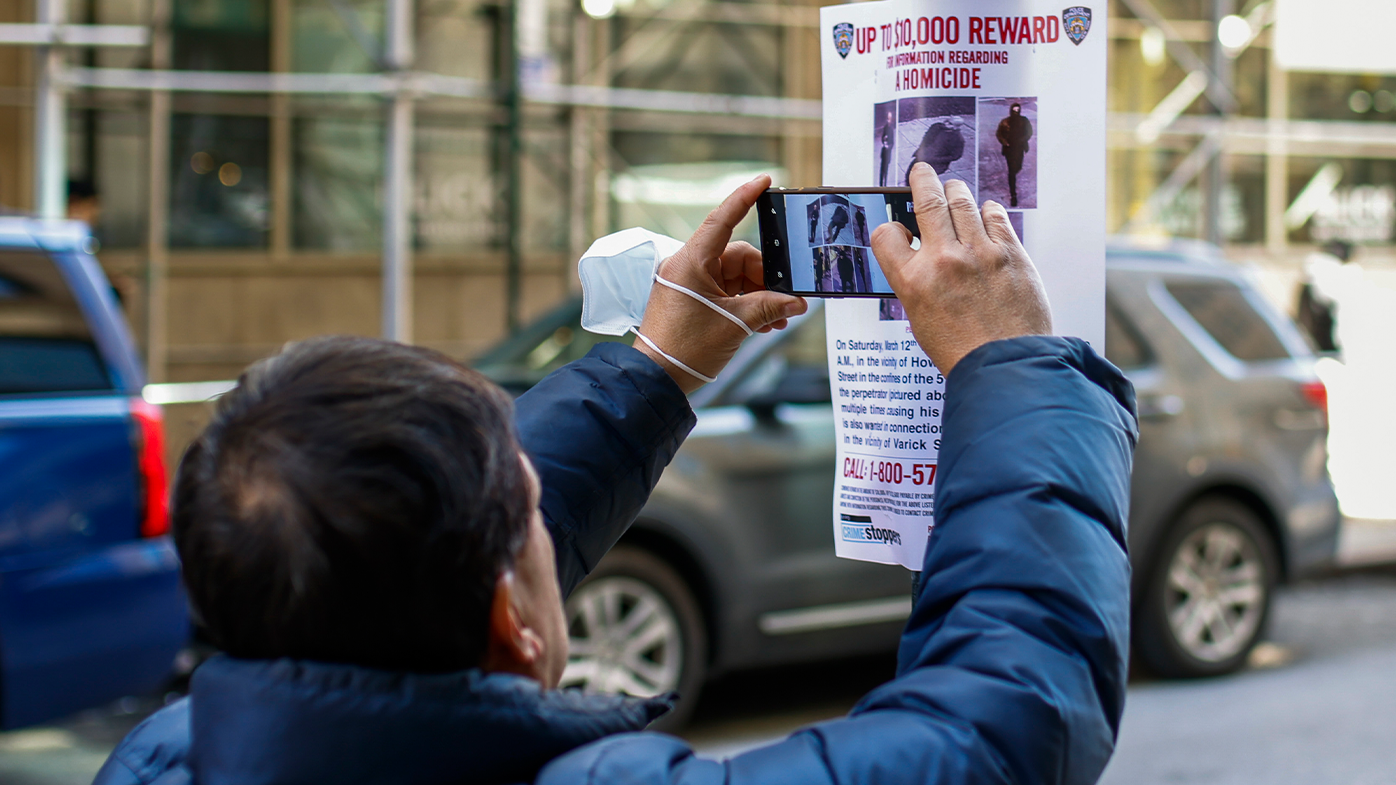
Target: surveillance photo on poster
[
  {"x": 937, "y": 130},
  {"x": 1008, "y": 151}
]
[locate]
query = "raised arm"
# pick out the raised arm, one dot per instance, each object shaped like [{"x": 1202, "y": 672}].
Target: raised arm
[
  {"x": 601, "y": 430},
  {"x": 1012, "y": 666}
]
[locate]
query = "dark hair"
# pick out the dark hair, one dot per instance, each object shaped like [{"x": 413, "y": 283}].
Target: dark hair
[
  {"x": 353, "y": 500},
  {"x": 81, "y": 189}
]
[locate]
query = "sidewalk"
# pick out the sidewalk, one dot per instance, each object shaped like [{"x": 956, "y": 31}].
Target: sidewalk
[{"x": 1366, "y": 542}]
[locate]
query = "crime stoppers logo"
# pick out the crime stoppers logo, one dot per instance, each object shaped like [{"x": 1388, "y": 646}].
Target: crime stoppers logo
[
  {"x": 860, "y": 528},
  {"x": 843, "y": 37},
  {"x": 1076, "y": 21}
]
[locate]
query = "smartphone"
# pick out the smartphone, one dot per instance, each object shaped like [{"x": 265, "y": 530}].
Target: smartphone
[{"x": 817, "y": 242}]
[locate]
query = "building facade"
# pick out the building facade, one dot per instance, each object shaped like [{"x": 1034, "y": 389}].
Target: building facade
[{"x": 267, "y": 170}]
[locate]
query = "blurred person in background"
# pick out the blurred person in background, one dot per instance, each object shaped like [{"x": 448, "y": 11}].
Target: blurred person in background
[
  {"x": 84, "y": 204},
  {"x": 1351, "y": 315},
  {"x": 1317, "y": 309},
  {"x": 381, "y": 547}
]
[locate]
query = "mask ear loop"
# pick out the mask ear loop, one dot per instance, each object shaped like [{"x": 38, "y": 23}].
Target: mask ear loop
[{"x": 700, "y": 298}]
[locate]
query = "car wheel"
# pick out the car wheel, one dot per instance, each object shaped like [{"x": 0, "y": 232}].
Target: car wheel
[
  {"x": 1209, "y": 591},
  {"x": 635, "y": 628}
]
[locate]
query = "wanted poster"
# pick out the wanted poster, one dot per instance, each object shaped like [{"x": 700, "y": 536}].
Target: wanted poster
[{"x": 1007, "y": 96}]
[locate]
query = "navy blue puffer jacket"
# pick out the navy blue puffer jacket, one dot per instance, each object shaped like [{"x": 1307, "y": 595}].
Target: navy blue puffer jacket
[{"x": 1011, "y": 668}]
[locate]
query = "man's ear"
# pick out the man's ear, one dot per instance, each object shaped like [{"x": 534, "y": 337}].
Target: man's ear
[{"x": 512, "y": 647}]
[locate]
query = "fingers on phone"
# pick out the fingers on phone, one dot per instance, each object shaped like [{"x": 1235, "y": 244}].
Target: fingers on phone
[
  {"x": 932, "y": 209},
  {"x": 717, "y": 228},
  {"x": 891, "y": 244},
  {"x": 964, "y": 214},
  {"x": 997, "y": 225},
  {"x": 741, "y": 268}
]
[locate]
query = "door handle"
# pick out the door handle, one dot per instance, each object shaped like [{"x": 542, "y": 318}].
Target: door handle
[{"x": 1160, "y": 407}]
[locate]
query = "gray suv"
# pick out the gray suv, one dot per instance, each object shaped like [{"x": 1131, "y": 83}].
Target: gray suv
[{"x": 731, "y": 563}]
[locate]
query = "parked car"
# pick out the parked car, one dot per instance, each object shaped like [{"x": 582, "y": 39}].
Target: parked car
[
  {"x": 731, "y": 563},
  {"x": 91, "y": 607}
]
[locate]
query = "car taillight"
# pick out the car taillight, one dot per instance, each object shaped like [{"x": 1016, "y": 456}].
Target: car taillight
[
  {"x": 1316, "y": 394},
  {"x": 150, "y": 463}
]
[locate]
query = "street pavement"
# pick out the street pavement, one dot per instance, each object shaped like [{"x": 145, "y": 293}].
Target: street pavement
[{"x": 1317, "y": 707}]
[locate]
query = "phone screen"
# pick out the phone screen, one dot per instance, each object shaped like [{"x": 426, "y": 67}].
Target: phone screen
[{"x": 817, "y": 242}]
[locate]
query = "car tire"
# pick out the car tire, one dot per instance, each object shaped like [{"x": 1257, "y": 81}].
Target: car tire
[
  {"x": 635, "y": 627},
  {"x": 1208, "y": 594}
]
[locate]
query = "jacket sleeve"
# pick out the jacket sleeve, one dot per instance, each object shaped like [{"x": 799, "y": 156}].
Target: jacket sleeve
[
  {"x": 1012, "y": 666},
  {"x": 153, "y": 753},
  {"x": 600, "y": 432}
]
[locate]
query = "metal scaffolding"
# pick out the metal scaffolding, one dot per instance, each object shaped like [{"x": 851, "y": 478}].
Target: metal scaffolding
[{"x": 598, "y": 90}]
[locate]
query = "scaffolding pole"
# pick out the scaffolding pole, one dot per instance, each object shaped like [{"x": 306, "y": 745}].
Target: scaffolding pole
[
  {"x": 50, "y": 135},
  {"x": 397, "y": 179}
]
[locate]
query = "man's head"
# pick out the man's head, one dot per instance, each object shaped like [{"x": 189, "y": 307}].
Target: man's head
[
  {"x": 366, "y": 502},
  {"x": 84, "y": 203},
  {"x": 1015, "y": 109}
]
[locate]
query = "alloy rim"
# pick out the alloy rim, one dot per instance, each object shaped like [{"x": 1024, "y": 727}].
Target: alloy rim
[
  {"x": 623, "y": 637},
  {"x": 1216, "y": 592}
]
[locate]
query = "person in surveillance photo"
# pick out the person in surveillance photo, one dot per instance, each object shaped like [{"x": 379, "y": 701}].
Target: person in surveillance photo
[
  {"x": 938, "y": 131},
  {"x": 838, "y": 226},
  {"x": 1007, "y": 154},
  {"x": 891, "y": 310},
  {"x": 830, "y": 239},
  {"x": 885, "y": 137}
]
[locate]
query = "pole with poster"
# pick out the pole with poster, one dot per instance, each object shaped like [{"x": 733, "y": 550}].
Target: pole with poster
[{"x": 1008, "y": 96}]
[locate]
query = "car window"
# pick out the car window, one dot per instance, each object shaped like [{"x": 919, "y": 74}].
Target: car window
[
  {"x": 795, "y": 371},
  {"x": 562, "y": 346},
  {"x": 45, "y": 344},
  {"x": 1124, "y": 346},
  {"x": 1224, "y": 312}
]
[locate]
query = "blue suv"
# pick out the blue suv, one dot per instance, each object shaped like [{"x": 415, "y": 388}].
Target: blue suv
[{"x": 91, "y": 607}]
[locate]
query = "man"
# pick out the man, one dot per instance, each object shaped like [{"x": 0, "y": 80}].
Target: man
[
  {"x": 862, "y": 226},
  {"x": 366, "y": 538},
  {"x": 1013, "y": 134},
  {"x": 83, "y": 203},
  {"x": 847, "y": 275},
  {"x": 861, "y": 271},
  {"x": 837, "y": 221},
  {"x": 885, "y": 146},
  {"x": 1317, "y": 309}
]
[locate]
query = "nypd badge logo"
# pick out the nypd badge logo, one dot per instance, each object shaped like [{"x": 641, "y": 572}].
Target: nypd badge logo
[
  {"x": 1076, "y": 21},
  {"x": 843, "y": 38}
]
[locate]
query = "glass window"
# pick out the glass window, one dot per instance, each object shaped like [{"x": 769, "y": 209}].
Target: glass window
[
  {"x": 222, "y": 35},
  {"x": 338, "y": 168},
  {"x": 1224, "y": 312},
  {"x": 324, "y": 44},
  {"x": 1124, "y": 346},
  {"x": 457, "y": 196},
  {"x": 459, "y": 38},
  {"x": 218, "y": 181},
  {"x": 45, "y": 345}
]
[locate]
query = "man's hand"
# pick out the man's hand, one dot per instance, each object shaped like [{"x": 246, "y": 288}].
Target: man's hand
[
  {"x": 971, "y": 282},
  {"x": 730, "y": 275}
]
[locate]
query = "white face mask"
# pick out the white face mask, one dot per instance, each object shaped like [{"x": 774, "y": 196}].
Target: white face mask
[{"x": 617, "y": 272}]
